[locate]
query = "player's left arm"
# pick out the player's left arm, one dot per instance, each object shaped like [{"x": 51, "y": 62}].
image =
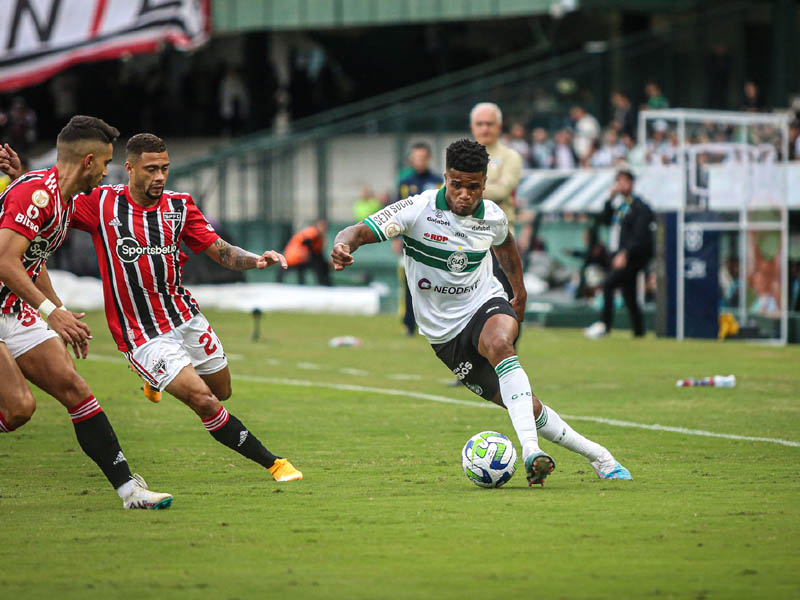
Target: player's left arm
[
  {"x": 237, "y": 259},
  {"x": 511, "y": 263}
]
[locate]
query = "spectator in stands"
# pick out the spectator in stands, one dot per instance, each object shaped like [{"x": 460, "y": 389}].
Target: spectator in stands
[
  {"x": 610, "y": 153},
  {"x": 419, "y": 180},
  {"x": 234, "y": 102},
  {"x": 564, "y": 156},
  {"x": 659, "y": 149},
  {"x": 366, "y": 204},
  {"x": 517, "y": 139},
  {"x": 21, "y": 126},
  {"x": 503, "y": 173},
  {"x": 752, "y": 102},
  {"x": 541, "y": 150},
  {"x": 794, "y": 140},
  {"x": 624, "y": 120},
  {"x": 595, "y": 263},
  {"x": 587, "y": 130},
  {"x": 655, "y": 99},
  {"x": 305, "y": 250},
  {"x": 631, "y": 244}
]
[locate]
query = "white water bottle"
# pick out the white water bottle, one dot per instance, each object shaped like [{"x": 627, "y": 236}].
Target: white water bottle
[{"x": 724, "y": 380}]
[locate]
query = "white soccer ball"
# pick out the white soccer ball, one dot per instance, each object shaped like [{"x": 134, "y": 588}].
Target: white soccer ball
[{"x": 489, "y": 459}]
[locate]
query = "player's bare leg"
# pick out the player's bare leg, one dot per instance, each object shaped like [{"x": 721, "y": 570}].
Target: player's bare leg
[
  {"x": 219, "y": 383},
  {"x": 16, "y": 401},
  {"x": 224, "y": 427},
  {"x": 49, "y": 367},
  {"x": 496, "y": 344}
]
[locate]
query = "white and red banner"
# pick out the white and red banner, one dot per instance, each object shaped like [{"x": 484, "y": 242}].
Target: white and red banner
[{"x": 39, "y": 38}]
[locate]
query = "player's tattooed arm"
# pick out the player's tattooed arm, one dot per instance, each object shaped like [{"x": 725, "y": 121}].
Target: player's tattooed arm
[
  {"x": 347, "y": 241},
  {"x": 511, "y": 263},
  {"x": 237, "y": 259}
]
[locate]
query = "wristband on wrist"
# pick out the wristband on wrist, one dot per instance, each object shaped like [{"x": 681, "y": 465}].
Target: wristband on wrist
[
  {"x": 62, "y": 307},
  {"x": 46, "y": 307}
]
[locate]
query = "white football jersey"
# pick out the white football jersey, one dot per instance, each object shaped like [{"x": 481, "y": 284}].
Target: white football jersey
[{"x": 446, "y": 257}]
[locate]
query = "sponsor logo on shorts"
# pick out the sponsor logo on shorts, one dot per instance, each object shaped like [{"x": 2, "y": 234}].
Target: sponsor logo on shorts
[
  {"x": 424, "y": 284},
  {"x": 462, "y": 370},
  {"x": 129, "y": 250},
  {"x": 475, "y": 389},
  {"x": 491, "y": 308},
  {"x": 435, "y": 237},
  {"x": 457, "y": 262}
]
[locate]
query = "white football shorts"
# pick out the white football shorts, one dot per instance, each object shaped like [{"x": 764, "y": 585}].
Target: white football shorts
[
  {"x": 24, "y": 331},
  {"x": 194, "y": 343}
]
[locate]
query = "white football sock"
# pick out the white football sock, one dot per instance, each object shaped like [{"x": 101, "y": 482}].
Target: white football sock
[
  {"x": 515, "y": 390},
  {"x": 554, "y": 429},
  {"x": 126, "y": 488}
]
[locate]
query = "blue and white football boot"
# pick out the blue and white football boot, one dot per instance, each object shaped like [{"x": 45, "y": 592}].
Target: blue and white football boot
[{"x": 611, "y": 471}]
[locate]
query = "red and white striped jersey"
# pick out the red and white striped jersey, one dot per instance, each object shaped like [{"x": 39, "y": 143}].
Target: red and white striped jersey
[
  {"x": 140, "y": 260},
  {"x": 32, "y": 206}
]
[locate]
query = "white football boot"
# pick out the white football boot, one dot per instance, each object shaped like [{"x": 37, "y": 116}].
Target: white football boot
[{"x": 141, "y": 497}]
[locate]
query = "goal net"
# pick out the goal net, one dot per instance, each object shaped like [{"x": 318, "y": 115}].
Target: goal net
[{"x": 720, "y": 179}]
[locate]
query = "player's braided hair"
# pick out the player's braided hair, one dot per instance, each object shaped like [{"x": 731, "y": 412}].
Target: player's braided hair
[
  {"x": 144, "y": 142},
  {"x": 467, "y": 156}
]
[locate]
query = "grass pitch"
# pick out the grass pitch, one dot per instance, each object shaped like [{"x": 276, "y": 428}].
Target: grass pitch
[{"x": 385, "y": 510}]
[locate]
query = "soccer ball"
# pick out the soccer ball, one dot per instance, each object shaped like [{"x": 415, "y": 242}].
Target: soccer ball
[{"x": 489, "y": 459}]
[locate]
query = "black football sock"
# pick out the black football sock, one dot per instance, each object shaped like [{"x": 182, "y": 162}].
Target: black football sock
[
  {"x": 98, "y": 440},
  {"x": 228, "y": 430}
]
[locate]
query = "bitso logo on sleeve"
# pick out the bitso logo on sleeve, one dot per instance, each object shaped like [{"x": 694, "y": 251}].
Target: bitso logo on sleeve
[{"x": 40, "y": 198}]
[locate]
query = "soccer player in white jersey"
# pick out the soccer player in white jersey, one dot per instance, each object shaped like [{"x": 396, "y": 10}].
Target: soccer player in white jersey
[
  {"x": 462, "y": 309},
  {"x": 35, "y": 212}
]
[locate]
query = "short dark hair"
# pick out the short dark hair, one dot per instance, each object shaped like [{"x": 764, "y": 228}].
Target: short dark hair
[
  {"x": 467, "y": 156},
  {"x": 76, "y": 139},
  {"x": 627, "y": 173},
  {"x": 82, "y": 128},
  {"x": 144, "y": 142},
  {"x": 421, "y": 146}
]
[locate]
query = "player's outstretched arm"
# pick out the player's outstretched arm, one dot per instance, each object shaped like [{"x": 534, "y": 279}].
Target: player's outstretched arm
[
  {"x": 13, "y": 274},
  {"x": 347, "y": 241},
  {"x": 10, "y": 163},
  {"x": 511, "y": 263},
  {"x": 237, "y": 259}
]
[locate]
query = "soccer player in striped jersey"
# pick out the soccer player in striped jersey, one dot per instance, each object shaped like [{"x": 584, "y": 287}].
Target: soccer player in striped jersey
[
  {"x": 137, "y": 230},
  {"x": 35, "y": 212},
  {"x": 462, "y": 309}
]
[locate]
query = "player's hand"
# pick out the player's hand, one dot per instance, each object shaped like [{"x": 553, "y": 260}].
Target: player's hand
[
  {"x": 620, "y": 260},
  {"x": 341, "y": 257},
  {"x": 72, "y": 331},
  {"x": 518, "y": 304},
  {"x": 269, "y": 258},
  {"x": 10, "y": 163},
  {"x": 80, "y": 350}
]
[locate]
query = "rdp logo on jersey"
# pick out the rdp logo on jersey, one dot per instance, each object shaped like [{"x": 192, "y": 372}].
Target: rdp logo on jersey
[{"x": 129, "y": 250}]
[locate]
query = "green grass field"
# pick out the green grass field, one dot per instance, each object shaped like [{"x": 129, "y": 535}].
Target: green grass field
[{"x": 385, "y": 510}]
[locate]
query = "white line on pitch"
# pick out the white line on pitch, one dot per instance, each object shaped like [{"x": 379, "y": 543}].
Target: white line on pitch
[{"x": 445, "y": 400}]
